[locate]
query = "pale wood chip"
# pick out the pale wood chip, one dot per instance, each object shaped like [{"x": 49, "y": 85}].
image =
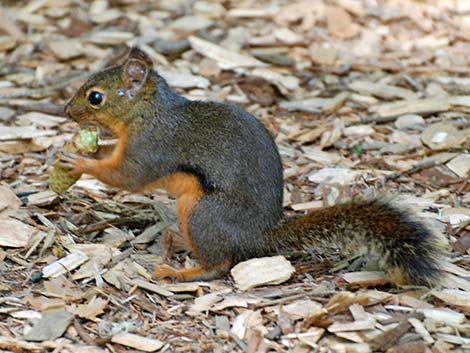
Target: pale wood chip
[
  {"x": 96, "y": 306},
  {"x": 262, "y": 271},
  {"x": 310, "y": 337},
  {"x": 42, "y": 198},
  {"x": 453, "y": 339},
  {"x": 460, "y": 165},
  {"x": 24, "y": 132},
  {"x": 446, "y": 316},
  {"x": 453, "y": 296},
  {"x": 317, "y": 105},
  {"x": 142, "y": 343},
  {"x": 225, "y": 58},
  {"x": 205, "y": 302},
  {"x": 14, "y": 233},
  {"x": 341, "y": 176},
  {"x": 360, "y": 325},
  {"x": 413, "y": 106},
  {"x": 419, "y": 328},
  {"x": 64, "y": 265},
  {"x": 302, "y": 309},
  {"x": 381, "y": 90},
  {"x": 152, "y": 287},
  {"x": 8, "y": 199}
]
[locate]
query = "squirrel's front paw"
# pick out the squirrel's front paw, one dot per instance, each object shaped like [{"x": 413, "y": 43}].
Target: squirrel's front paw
[
  {"x": 76, "y": 164},
  {"x": 165, "y": 271}
]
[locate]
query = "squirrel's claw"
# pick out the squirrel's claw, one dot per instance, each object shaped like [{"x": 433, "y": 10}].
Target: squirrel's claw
[{"x": 71, "y": 161}]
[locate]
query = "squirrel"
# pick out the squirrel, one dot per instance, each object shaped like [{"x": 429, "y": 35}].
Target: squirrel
[{"x": 224, "y": 169}]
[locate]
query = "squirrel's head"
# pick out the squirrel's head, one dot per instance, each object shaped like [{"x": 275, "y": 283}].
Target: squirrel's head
[{"x": 109, "y": 97}]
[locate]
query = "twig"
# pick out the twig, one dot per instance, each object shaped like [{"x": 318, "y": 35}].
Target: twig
[
  {"x": 238, "y": 341},
  {"x": 83, "y": 334},
  {"x": 31, "y": 92},
  {"x": 416, "y": 168},
  {"x": 32, "y": 105}
]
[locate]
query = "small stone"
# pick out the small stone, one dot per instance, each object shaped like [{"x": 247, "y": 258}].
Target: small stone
[
  {"x": 6, "y": 114},
  {"x": 209, "y": 9},
  {"x": 287, "y": 36},
  {"x": 6, "y": 42},
  {"x": 323, "y": 54},
  {"x": 190, "y": 24},
  {"x": 358, "y": 131},
  {"x": 409, "y": 121}
]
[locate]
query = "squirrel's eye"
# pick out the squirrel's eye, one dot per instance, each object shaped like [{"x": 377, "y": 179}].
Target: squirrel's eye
[{"x": 95, "y": 98}]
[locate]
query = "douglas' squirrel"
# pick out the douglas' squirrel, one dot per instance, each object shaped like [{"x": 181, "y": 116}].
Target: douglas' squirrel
[{"x": 224, "y": 169}]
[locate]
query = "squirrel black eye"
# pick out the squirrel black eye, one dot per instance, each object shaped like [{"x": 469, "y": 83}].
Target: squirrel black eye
[{"x": 95, "y": 98}]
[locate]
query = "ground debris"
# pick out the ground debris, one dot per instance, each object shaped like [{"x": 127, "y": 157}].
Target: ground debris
[{"x": 363, "y": 98}]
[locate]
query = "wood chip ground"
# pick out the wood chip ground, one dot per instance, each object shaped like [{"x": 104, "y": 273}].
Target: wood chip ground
[{"x": 364, "y": 97}]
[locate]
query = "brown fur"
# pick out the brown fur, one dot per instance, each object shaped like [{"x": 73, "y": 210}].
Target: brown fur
[{"x": 404, "y": 246}]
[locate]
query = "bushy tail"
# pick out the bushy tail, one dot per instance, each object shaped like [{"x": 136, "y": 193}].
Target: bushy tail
[{"x": 407, "y": 249}]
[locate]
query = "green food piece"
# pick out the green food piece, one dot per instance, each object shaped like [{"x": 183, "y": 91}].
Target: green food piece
[
  {"x": 84, "y": 142},
  {"x": 60, "y": 181},
  {"x": 88, "y": 141}
]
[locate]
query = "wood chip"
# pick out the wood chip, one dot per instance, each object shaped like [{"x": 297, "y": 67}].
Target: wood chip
[
  {"x": 66, "y": 49},
  {"x": 190, "y": 24},
  {"x": 317, "y": 105},
  {"x": 419, "y": 328},
  {"x": 340, "y": 176},
  {"x": 24, "y": 132},
  {"x": 8, "y": 199},
  {"x": 91, "y": 310},
  {"x": 302, "y": 309},
  {"x": 42, "y": 198},
  {"x": 352, "y": 326},
  {"x": 339, "y": 23},
  {"x": 64, "y": 265},
  {"x": 52, "y": 324},
  {"x": 226, "y": 59},
  {"x": 366, "y": 278},
  {"x": 14, "y": 233},
  {"x": 442, "y": 135},
  {"x": 446, "y": 316},
  {"x": 145, "y": 344},
  {"x": 453, "y": 297},
  {"x": 381, "y": 90},
  {"x": 262, "y": 271},
  {"x": 412, "y": 106},
  {"x": 152, "y": 287},
  {"x": 460, "y": 165},
  {"x": 205, "y": 302}
]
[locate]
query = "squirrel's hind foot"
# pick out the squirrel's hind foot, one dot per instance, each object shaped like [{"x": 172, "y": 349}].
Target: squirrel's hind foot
[{"x": 190, "y": 274}]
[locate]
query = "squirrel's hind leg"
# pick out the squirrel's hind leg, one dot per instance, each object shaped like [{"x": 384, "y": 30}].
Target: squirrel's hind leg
[{"x": 173, "y": 242}]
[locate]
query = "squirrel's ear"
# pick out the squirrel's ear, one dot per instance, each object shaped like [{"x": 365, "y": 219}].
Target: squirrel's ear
[{"x": 135, "y": 70}]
